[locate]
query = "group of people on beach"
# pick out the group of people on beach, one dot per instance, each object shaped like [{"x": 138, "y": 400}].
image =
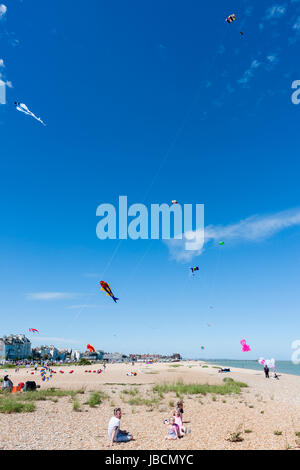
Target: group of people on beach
[
  {"x": 267, "y": 370},
  {"x": 176, "y": 429},
  {"x": 7, "y": 383}
]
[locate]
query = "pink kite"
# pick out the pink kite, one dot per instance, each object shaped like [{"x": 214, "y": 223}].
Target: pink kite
[{"x": 245, "y": 346}]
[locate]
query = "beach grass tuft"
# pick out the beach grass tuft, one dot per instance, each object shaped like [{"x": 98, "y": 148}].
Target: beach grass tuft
[
  {"x": 25, "y": 402},
  {"x": 96, "y": 398},
  {"x": 76, "y": 405},
  {"x": 195, "y": 389},
  {"x": 11, "y": 405}
]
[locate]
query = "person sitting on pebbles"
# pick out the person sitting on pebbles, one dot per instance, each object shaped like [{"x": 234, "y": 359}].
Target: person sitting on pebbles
[
  {"x": 114, "y": 432},
  {"x": 7, "y": 383}
]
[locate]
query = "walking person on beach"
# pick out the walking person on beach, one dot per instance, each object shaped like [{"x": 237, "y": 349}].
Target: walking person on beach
[
  {"x": 114, "y": 432},
  {"x": 266, "y": 370}
]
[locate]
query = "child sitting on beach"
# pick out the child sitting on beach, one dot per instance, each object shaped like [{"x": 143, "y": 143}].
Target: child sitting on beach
[
  {"x": 178, "y": 421},
  {"x": 173, "y": 430}
]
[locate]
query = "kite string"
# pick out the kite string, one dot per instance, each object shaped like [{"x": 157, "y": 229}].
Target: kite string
[
  {"x": 184, "y": 121},
  {"x": 213, "y": 281},
  {"x": 179, "y": 131},
  {"x": 162, "y": 163}
]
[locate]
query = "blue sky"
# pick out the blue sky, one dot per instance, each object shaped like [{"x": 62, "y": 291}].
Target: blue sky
[{"x": 155, "y": 100}]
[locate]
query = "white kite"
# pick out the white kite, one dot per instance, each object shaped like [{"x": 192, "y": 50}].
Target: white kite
[{"x": 23, "y": 108}]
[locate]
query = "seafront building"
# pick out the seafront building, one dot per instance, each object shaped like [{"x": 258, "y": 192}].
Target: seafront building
[
  {"x": 51, "y": 352},
  {"x": 115, "y": 357},
  {"x": 18, "y": 348},
  {"x": 14, "y": 348},
  {"x": 76, "y": 355}
]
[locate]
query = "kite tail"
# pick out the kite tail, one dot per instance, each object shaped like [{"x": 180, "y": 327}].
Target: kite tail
[{"x": 115, "y": 299}]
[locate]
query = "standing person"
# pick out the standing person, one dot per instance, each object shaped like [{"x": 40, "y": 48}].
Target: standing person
[
  {"x": 266, "y": 369},
  {"x": 114, "y": 432}
]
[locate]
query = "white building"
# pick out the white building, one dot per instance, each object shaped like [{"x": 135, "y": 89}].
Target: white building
[{"x": 76, "y": 355}]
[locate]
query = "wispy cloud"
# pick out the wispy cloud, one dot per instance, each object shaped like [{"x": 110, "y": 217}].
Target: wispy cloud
[
  {"x": 249, "y": 73},
  {"x": 2, "y": 77},
  {"x": 273, "y": 58},
  {"x": 251, "y": 229},
  {"x": 275, "y": 12},
  {"x": 3, "y": 10},
  {"x": 296, "y": 25},
  {"x": 267, "y": 64},
  {"x": 51, "y": 295},
  {"x": 296, "y": 31}
]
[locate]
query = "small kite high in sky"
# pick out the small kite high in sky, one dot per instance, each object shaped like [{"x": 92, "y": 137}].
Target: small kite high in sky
[
  {"x": 195, "y": 268},
  {"x": 221, "y": 243},
  {"x": 174, "y": 201},
  {"x": 107, "y": 289},
  {"x": 245, "y": 346},
  {"x": 33, "y": 330},
  {"x": 23, "y": 108},
  {"x": 230, "y": 18}
]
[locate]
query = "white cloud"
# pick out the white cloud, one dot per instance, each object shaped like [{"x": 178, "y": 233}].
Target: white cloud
[
  {"x": 249, "y": 73},
  {"x": 3, "y": 10},
  {"x": 51, "y": 295},
  {"x": 297, "y": 24},
  {"x": 276, "y": 11},
  {"x": 273, "y": 59},
  {"x": 270, "y": 61},
  {"x": 251, "y": 229}
]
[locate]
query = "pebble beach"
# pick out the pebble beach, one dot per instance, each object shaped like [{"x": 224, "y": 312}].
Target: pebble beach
[{"x": 265, "y": 414}]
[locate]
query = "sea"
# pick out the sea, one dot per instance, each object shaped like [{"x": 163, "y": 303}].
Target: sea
[{"x": 285, "y": 367}]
